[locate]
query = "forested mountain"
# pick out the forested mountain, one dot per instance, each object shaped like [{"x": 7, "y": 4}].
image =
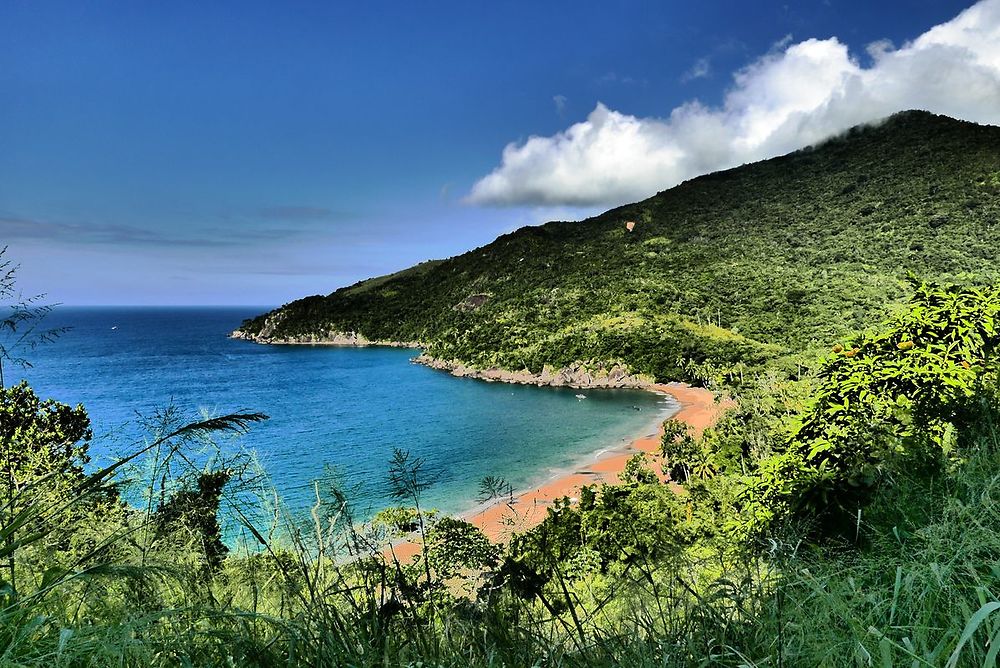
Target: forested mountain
[{"x": 735, "y": 266}]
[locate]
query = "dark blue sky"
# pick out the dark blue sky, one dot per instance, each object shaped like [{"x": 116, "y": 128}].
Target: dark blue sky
[{"x": 257, "y": 152}]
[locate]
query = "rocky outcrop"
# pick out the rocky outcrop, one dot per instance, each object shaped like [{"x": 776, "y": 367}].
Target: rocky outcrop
[
  {"x": 267, "y": 330},
  {"x": 328, "y": 338},
  {"x": 471, "y": 303},
  {"x": 578, "y": 375}
]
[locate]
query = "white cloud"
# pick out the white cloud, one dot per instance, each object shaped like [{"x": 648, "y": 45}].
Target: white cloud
[
  {"x": 798, "y": 94},
  {"x": 560, "y": 102},
  {"x": 879, "y": 48},
  {"x": 701, "y": 69}
]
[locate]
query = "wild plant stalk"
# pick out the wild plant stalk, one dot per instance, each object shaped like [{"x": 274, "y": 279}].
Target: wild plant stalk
[{"x": 407, "y": 480}]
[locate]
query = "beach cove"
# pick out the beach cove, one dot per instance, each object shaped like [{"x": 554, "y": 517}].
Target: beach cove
[{"x": 696, "y": 407}]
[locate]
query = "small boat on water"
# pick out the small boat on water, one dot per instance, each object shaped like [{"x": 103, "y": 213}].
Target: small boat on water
[
  {"x": 581, "y": 396},
  {"x": 114, "y": 327}
]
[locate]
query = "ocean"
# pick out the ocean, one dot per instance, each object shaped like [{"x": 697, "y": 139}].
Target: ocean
[{"x": 333, "y": 411}]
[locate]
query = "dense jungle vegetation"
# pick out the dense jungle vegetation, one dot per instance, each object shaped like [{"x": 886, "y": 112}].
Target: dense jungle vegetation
[{"x": 844, "y": 511}]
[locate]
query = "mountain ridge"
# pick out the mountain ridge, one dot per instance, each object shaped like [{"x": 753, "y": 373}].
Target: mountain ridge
[{"x": 728, "y": 268}]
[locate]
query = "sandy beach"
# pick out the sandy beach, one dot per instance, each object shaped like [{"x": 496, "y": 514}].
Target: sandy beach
[{"x": 499, "y": 520}]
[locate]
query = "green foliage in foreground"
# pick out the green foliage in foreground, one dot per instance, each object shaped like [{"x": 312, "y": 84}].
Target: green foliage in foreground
[
  {"x": 726, "y": 270},
  {"x": 729, "y": 565},
  {"x": 920, "y": 589}
]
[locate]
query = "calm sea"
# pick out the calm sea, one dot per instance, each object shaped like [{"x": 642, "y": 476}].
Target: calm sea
[{"x": 332, "y": 409}]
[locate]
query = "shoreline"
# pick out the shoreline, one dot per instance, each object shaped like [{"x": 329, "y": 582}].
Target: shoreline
[
  {"x": 696, "y": 407},
  {"x": 578, "y": 375},
  {"x": 586, "y": 462},
  {"x": 499, "y": 519}
]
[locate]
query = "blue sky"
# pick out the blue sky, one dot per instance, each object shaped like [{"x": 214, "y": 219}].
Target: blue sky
[{"x": 252, "y": 153}]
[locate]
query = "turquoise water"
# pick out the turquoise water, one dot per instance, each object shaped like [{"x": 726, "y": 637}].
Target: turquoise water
[{"x": 335, "y": 408}]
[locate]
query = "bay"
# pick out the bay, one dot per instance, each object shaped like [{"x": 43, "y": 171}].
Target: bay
[{"x": 331, "y": 408}]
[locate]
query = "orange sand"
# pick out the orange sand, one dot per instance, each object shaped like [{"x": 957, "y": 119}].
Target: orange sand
[{"x": 698, "y": 408}]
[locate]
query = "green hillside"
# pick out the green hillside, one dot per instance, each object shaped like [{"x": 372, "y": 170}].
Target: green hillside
[{"x": 734, "y": 266}]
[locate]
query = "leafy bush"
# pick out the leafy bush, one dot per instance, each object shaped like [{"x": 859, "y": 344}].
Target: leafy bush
[
  {"x": 907, "y": 396},
  {"x": 196, "y": 511},
  {"x": 41, "y": 438}
]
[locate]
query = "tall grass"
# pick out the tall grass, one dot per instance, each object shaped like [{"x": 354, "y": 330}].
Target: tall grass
[{"x": 919, "y": 588}]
